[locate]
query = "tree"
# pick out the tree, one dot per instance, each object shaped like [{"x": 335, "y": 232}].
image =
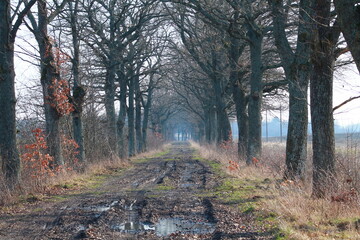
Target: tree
[
  {"x": 8, "y": 149},
  {"x": 323, "y": 58},
  {"x": 53, "y": 87},
  {"x": 78, "y": 92},
  {"x": 348, "y": 16},
  {"x": 297, "y": 68}
]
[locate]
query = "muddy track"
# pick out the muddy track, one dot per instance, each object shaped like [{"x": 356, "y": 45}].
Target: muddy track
[{"x": 160, "y": 198}]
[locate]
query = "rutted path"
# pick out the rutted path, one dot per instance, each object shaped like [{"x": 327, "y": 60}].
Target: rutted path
[{"x": 164, "y": 197}]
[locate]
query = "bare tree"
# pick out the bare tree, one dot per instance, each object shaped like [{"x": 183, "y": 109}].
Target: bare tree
[
  {"x": 9, "y": 25},
  {"x": 349, "y": 20},
  {"x": 321, "y": 87},
  {"x": 297, "y": 68}
]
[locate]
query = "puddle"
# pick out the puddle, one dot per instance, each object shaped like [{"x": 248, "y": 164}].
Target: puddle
[
  {"x": 100, "y": 208},
  {"x": 167, "y": 226},
  {"x": 134, "y": 227}
]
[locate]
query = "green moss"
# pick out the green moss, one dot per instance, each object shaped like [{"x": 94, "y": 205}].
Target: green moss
[
  {"x": 280, "y": 235},
  {"x": 249, "y": 209},
  {"x": 38, "y": 210},
  {"x": 196, "y": 157},
  {"x": 60, "y": 198},
  {"x": 160, "y": 154},
  {"x": 141, "y": 160},
  {"x": 164, "y": 188}
]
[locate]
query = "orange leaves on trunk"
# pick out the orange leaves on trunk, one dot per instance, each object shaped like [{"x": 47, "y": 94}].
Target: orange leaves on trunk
[
  {"x": 60, "y": 97},
  {"x": 59, "y": 88}
]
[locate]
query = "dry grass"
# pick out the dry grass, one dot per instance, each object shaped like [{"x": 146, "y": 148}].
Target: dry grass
[{"x": 299, "y": 216}]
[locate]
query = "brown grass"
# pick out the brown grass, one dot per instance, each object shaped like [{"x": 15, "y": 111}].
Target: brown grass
[{"x": 299, "y": 216}]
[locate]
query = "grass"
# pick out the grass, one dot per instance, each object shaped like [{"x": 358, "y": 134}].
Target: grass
[
  {"x": 287, "y": 208},
  {"x": 164, "y": 188}
]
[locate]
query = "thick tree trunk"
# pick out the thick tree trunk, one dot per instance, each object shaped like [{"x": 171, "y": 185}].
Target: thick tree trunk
[
  {"x": 239, "y": 97},
  {"x": 49, "y": 74},
  {"x": 123, "y": 153},
  {"x": 349, "y": 18},
  {"x": 210, "y": 125},
  {"x": 321, "y": 90},
  {"x": 147, "y": 108},
  {"x": 296, "y": 143},
  {"x": 242, "y": 120},
  {"x": 297, "y": 71},
  {"x": 78, "y": 91},
  {"x": 322, "y": 126},
  {"x": 255, "y": 99},
  {"x": 9, "y": 156},
  {"x": 110, "y": 105},
  {"x": 139, "y": 146},
  {"x": 131, "y": 117},
  {"x": 223, "y": 123}
]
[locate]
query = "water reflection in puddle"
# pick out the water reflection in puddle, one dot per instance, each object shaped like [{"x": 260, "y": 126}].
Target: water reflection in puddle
[{"x": 167, "y": 226}]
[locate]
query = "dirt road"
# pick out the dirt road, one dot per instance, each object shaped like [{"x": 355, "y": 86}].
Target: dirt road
[{"x": 165, "y": 197}]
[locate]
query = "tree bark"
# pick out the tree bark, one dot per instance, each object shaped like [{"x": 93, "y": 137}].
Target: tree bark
[
  {"x": 110, "y": 104},
  {"x": 78, "y": 91},
  {"x": 238, "y": 95},
  {"x": 123, "y": 153},
  {"x": 223, "y": 123},
  {"x": 297, "y": 71},
  {"x": 255, "y": 99},
  {"x": 349, "y": 18},
  {"x": 139, "y": 146},
  {"x": 131, "y": 117},
  {"x": 321, "y": 88},
  {"x": 147, "y": 108},
  {"x": 9, "y": 155},
  {"x": 49, "y": 74}
]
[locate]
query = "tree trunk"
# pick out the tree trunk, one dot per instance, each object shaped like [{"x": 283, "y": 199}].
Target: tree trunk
[
  {"x": 321, "y": 89},
  {"x": 110, "y": 104},
  {"x": 139, "y": 146},
  {"x": 242, "y": 119},
  {"x": 49, "y": 74},
  {"x": 78, "y": 91},
  {"x": 9, "y": 156},
  {"x": 349, "y": 18},
  {"x": 223, "y": 123},
  {"x": 147, "y": 108},
  {"x": 123, "y": 153},
  {"x": 296, "y": 143},
  {"x": 131, "y": 126},
  {"x": 297, "y": 71},
  {"x": 322, "y": 126},
  {"x": 239, "y": 97},
  {"x": 255, "y": 99}
]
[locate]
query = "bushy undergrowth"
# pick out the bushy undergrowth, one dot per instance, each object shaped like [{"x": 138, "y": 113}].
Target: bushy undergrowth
[{"x": 299, "y": 215}]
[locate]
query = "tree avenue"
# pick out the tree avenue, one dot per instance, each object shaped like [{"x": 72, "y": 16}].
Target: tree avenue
[{"x": 116, "y": 77}]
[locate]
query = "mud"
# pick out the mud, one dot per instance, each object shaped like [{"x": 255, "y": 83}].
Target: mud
[{"x": 160, "y": 198}]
